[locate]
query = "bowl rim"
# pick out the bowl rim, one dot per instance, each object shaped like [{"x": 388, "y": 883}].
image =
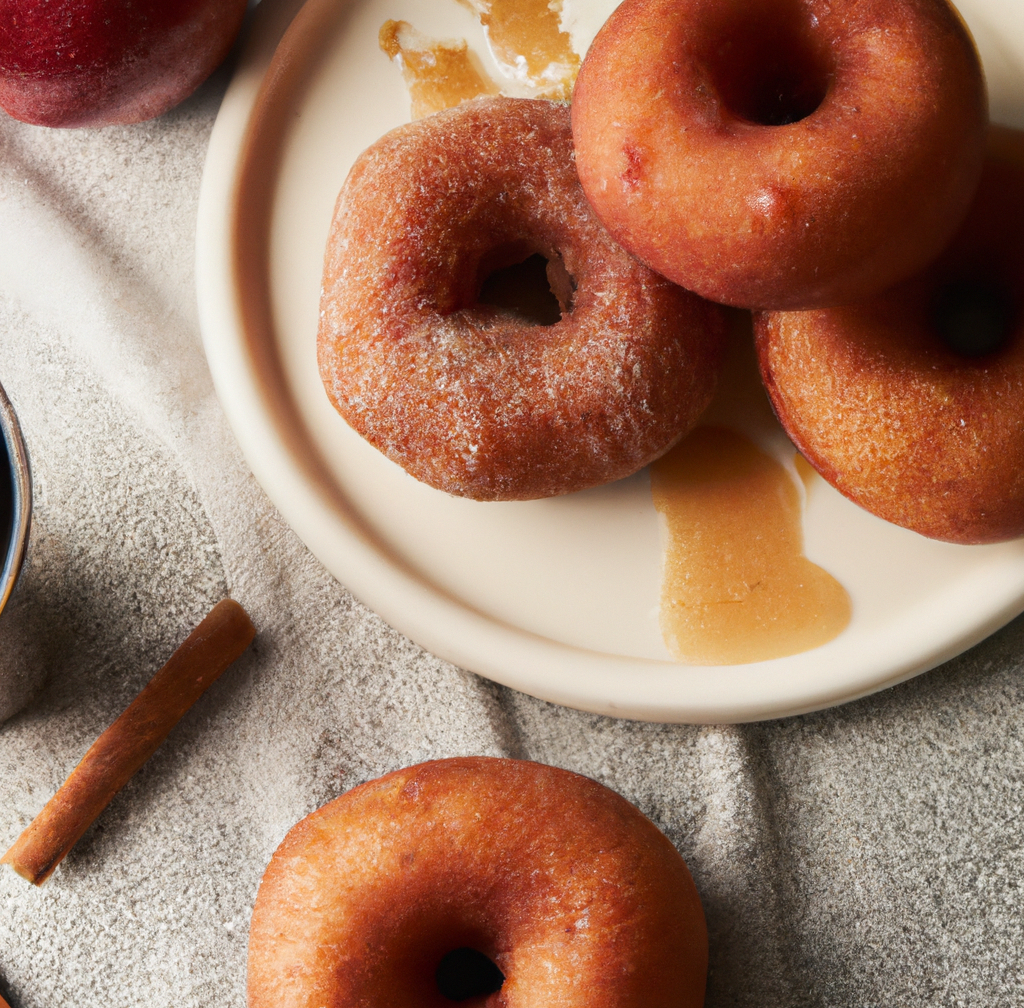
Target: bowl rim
[{"x": 21, "y": 485}]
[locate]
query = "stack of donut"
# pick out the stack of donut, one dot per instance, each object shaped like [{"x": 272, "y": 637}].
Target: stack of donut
[
  {"x": 809, "y": 160},
  {"x": 819, "y": 163}
]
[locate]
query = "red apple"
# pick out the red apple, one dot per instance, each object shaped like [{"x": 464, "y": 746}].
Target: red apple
[{"x": 105, "y": 62}]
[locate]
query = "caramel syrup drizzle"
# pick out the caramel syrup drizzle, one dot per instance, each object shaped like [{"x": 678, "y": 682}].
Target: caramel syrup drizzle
[
  {"x": 438, "y": 74},
  {"x": 528, "y": 44},
  {"x": 736, "y": 586},
  {"x": 525, "y": 39}
]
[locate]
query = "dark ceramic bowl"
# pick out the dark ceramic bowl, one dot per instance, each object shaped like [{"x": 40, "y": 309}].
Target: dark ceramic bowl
[{"x": 15, "y": 499}]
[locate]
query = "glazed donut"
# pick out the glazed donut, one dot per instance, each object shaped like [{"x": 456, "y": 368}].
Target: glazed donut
[
  {"x": 781, "y": 154},
  {"x": 470, "y": 397},
  {"x": 560, "y": 890},
  {"x": 912, "y": 403}
]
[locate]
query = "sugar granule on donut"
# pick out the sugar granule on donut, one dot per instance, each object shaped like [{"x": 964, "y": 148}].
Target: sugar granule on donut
[
  {"x": 781, "y": 154},
  {"x": 489, "y": 881},
  {"x": 470, "y": 397},
  {"x": 912, "y": 403}
]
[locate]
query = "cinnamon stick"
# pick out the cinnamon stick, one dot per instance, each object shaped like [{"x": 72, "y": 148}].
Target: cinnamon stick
[{"x": 115, "y": 756}]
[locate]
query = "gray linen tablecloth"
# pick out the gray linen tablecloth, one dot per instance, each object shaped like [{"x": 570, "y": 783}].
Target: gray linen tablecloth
[{"x": 869, "y": 855}]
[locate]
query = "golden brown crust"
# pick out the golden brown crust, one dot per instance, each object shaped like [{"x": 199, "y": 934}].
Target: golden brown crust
[
  {"x": 576, "y": 896},
  {"x": 858, "y": 194},
  {"x": 920, "y": 435},
  {"x": 469, "y": 398}
]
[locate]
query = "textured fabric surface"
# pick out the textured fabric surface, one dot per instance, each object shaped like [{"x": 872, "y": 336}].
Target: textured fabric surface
[{"x": 869, "y": 855}]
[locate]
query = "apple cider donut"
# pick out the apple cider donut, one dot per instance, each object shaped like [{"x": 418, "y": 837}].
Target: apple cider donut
[
  {"x": 470, "y": 397},
  {"x": 487, "y": 881},
  {"x": 781, "y": 154},
  {"x": 912, "y": 403}
]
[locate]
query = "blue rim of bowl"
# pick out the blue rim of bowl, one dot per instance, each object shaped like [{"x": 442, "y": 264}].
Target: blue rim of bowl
[{"x": 16, "y": 474}]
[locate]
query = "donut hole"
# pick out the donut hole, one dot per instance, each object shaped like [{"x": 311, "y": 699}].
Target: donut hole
[
  {"x": 465, "y": 973},
  {"x": 766, "y": 65},
  {"x": 524, "y": 283},
  {"x": 973, "y": 318}
]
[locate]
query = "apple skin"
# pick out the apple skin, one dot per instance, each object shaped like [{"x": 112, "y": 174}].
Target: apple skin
[{"x": 72, "y": 63}]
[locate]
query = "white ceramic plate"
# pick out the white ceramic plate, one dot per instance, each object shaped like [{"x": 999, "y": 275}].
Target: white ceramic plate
[{"x": 557, "y": 598}]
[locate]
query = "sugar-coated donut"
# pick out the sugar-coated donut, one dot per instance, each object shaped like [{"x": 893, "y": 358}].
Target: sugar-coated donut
[
  {"x": 781, "y": 154},
  {"x": 912, "y": 403},
  {"x": 575, "y": 897},
  {"x": 469, "y": 397}
]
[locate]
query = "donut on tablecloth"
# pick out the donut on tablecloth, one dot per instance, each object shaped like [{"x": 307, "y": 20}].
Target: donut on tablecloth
[{"x": 566, "y": 892}]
